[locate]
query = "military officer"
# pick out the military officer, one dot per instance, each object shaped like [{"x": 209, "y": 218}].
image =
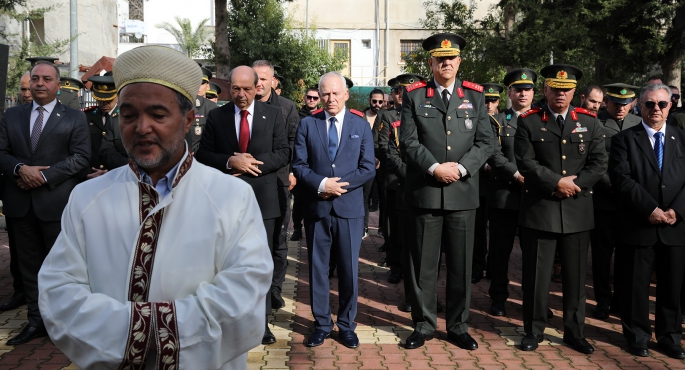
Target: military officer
[
  {"x": 213, "y": 92},
  {"x": 101, "y": 118},
  {"x": 480, "y": 240},
  {"x": 202, "y": 108},
  {"x": 69, "y": 92},
  {"x": 446, "y": 138},
  {"x": 504, "y": 185},
  {"x": 383, "y": 127},
  {"x": 615, "y": 118},
  {"x": 559, "y": 150}
]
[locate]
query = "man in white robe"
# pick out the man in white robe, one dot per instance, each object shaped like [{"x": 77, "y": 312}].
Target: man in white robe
[{"x": 177, "y": 276}]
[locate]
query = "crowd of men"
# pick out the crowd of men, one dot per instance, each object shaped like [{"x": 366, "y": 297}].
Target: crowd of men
[{"x": 203, "y": 194}]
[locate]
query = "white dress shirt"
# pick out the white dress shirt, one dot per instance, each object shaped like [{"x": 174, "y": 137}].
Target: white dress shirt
[
  {"x": 338, "y": 127},
  {"x": 49, "y": 107},
  {"x": 651, "y": 132},
  {"x": 250, "y": 111}
]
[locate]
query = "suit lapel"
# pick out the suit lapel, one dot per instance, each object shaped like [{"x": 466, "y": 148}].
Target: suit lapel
[
  {"x": 321, "y": 125},
  {"x": 346, "y": 129},
  {"x": 455, "y": 100},
  {"x": 669, "y": 148},
  {"x": 551, "y": 124},
  {"x": 645, "y": 145},
  {"x": 230, "y": 127},
  {"x": 53, "y": 120},
  {"x": 510, "y": 118},
  {"x": 258, "y": 125},
  {"x": 437, "y": 98},
  {"x": 26, "y": 124}
]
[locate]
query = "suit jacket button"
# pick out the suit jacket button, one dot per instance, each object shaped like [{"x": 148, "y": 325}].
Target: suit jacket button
[
  {"x": 563, "y": 172},
  {"x": 333, "y": 165},
  {"x": 542, "y": 139},
  {"x": 563, "y": 157},
  {"x": 449, "y": 132},
  {"x": 526, "y": 190},
  {"x": 563, "y": 141},
  {"x": 103, "y": 133},
  {"x": 449, "y": 148},
  {"x": 591, "y": 192},
  {"x": 449, "y": 118},
  {"x": 663, "y": 186}
]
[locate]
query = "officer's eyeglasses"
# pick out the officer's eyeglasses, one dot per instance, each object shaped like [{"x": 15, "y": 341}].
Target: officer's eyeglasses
[
  {"x": 676, "y": 96},
  {"x": 312, "y": 97},
  {"x": 374, "y": 101},
  {"x": 652, "y": 104}
]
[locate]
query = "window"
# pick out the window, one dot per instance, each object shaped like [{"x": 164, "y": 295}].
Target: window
[
  {"x": 407, "y": 46},
  {"x": 366, "y": 44}
]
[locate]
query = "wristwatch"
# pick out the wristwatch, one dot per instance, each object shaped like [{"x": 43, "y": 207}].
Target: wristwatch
[{"x": 17, "y": 169}]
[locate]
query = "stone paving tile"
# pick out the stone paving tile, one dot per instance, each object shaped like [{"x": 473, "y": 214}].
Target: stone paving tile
[{"x": 382, "y": 328}]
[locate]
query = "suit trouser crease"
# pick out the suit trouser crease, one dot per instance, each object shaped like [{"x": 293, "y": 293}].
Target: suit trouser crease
[{"x": 280, "y": 249}]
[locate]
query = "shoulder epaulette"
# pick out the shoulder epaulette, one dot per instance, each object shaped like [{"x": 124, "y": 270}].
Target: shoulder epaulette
[
  {"x": 587, "y": 112},
  {"x": 472, "y": 86},
  {"x": 530, "y": 111},
  {"x": 358, "y": 113},
  {"x": 416, "y": 85},
  {"x": 317, "y": 111},
  {"x": 395, "y": 124},
  {"x": 90, "y": 108}
]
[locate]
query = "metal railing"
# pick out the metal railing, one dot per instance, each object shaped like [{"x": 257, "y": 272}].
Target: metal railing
[{"x": 86, "y": 100}]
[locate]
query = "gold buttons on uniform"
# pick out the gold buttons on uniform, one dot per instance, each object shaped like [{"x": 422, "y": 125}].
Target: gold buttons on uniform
[
  {"x": 581, "y": 135},
  {"x": 590, "y": 191},
  {"x": 563, "y": 172},
  {"x": 507, "y": 134},
  {"x": 449, "y": 132},
  {"x": 102, "y": 167},
  {"x": 425, "y": 114},
  {"x": 526, "y": 190},
  {"x": 542, "y": 139},
  {"x": 449, "y": 118},
  {"x": 563, "y": 157},
  {"x": 103, "y": 133},
  {"x": 563, "y": 141},
  {"x": 604, "y": 136},
  {"x": 449, "y": 148}
]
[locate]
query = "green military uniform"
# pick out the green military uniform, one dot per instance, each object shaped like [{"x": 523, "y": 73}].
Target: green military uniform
[
  {"x": 213, "y": 92},
  {"x": 605, "y": 205},
  {"x": 112, "y": 151},
  {"x": 546, "y": 152},
  {"x": 433, "y": 133},
  {"x": 99, "y": 122},
  {"x": 68, "y": 92},
  {"x": 202, "y": 108},
  {"x": 504, "y": 193}
]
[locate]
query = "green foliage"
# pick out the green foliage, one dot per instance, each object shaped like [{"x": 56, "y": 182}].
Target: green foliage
[
  {"x": 8, "y": 5},
  {"x": 191, "y": 41}
]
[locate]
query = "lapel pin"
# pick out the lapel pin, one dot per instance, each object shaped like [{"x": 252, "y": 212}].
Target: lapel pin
[
  {"x": 263, "y": 117},
  {"x": 58, "y": 115},
  {"x": 672, "y": 138}
]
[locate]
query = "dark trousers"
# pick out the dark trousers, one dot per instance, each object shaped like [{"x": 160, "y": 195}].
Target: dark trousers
[
  {"x": 453, "y": 230},
  {"x": 480, "y": 239},
  {"x": 503, "y": 224},
  {"x": 392, "y": 242},
  {"x": 368, "y": 187},
  {"x": 538, "y": 249},
  {"x": 602, "y": 249},
  {"x": 383, "y": 212},
  {"x": 636, "y": 267},
  {"x": 346, "y": 234},
  {"x": 269, "y": 226},
  {"x": 280, "y": 249},
  {"x": 34, "y": 239},
  {"x": 406, "y": 238},
  {"x": 17, "y": 282},
  {"x": 298, "y": 206}
]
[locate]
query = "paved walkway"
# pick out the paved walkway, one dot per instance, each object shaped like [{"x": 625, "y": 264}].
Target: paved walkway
[{"x": 381, "y": 327}]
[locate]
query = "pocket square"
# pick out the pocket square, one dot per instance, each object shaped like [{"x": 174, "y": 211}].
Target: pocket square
[{"x": 354, "y": 136}]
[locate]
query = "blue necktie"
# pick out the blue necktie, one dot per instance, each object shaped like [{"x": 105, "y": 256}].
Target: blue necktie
[
  {"x": 659, "y": 149},
  {"x": 332, "y": 139}
]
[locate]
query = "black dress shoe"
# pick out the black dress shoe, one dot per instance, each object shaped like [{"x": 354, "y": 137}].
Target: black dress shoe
[
  {"x": 349, "y": 339},
  {"x": 497, "y": 309},
  {"x": 404, "y": 307},
  {"x": 601, "y": 311},
  {"x": 276, "y": 298},
  {"x": 395, "y": 278},
  {"x": 416, "y": 340},
  {"x": 550, "y": 314},
  {"x": 17, "y": 300},
  {"x": 463, "y": 341},
  {"x": 316, "y": 339},
  {"x": 638, "y": 349},
  {"x": 475, "y": 278},
  {"x": 439, "y": 307},
  {"x": 530, "y": 342},
  {"x": 28, "y": 334},
  {"x": 268, "y": 337},
  {"x": 673, "y": 350},
  {"x": 581, "y": 345},
  {"x": 297, "y": 235}
]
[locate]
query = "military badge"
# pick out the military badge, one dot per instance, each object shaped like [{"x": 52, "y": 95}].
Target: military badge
[
  {"x": 508, "y": 116},
  {"x": 465, "y": 105},
  {"x": 623, "y": 92},
  {"x": 509, "y": 126},
  {"x": 468, "y": 123},
  {"x": 491, "y": 90},
  {"x": 524, "y": 76},
  {"x": 581, "y": 148},
  {"x": 562, "y": 75},
  {"x": 198, "y": 130},
  {"x": 543, "y": 129},
  {"x": 445, "y": 44}
]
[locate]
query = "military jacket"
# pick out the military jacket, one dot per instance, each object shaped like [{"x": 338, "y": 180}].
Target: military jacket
[
  {"x": 544, "y": 154},
  {"x": 98, "y": 130},
  {"x": 382, "y": 130},
  {"x": 395, "y": 165},
  {"x": 503, "y": 191},
  {"x": 202, "y": 108},
  {"x": 69, "y": 98},
  {"x": 432, "y": 133},
  {"x": 112, "y": 152},
  {"x": 604, "y": 198}
]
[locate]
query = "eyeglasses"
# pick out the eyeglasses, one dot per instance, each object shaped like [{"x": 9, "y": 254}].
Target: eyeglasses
[
  {"x": 312, "y": 97},
  {"x": 661, "y": 104},
  {"x": 676, "y": 96},
  {"x": 374, "y": 101}
]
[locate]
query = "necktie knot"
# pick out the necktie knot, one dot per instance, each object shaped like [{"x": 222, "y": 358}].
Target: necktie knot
[
  {"x": 658, "y": 135},
  {"x": 244, "y": 136},
  {"x": 37, "y": 128},
  {"x": 332, "y": 139},
  {"x": 560, "y": 121},
  {"x": 244, "y": 113},
  {"x": 445, "y": 98}
]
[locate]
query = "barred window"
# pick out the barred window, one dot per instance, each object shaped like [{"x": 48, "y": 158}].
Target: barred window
[{"x": 407, "y": 46}]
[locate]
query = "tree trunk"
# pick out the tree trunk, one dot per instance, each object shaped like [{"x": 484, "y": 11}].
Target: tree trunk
[
  {"x": 222, "y": 53},
  {"x": 509, "y": 18}
]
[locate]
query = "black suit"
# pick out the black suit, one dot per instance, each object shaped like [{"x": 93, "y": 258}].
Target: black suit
[
  {"x": 642, "y": 187},
  {"x": 268, "y": 143},
  {"x": 64, "y": 145}
]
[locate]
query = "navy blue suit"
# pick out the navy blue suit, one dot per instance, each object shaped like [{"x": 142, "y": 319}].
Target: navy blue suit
[{"x": 336, "y": 220}]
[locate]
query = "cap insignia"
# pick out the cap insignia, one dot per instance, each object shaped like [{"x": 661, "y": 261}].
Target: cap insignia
[
  {"x": 524, "y": 76},
  {"x": 102, "y": 87},
  {"x": 445, "y": 44},
  {"x": 491, "y": 90},
  {"x": 624, "y": 91},
  {"x": 562, "y": 75},
  {"x": 66, "y": 83}
]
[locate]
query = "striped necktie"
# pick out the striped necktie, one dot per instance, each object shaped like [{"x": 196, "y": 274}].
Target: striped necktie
[
  {"x": 332, "y": 139},
  {"x": 659, "y": 149},
  {"x": 37, "y": 129}
]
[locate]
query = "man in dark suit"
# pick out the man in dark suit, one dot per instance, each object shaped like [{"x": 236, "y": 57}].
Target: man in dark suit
[
  {"x": 286, "y": 180},
  {"x": 615, "y": 118},
  {"x": 504, "y": 185},
  {"x": 446, "y": 138},
  {"x": 247, "y": 139},
  {"x": 647, "y": 169},
  {"x": 333, "y": 159},
  {"x": 43, "y": 147},
  {"x": 559, "y": 150}
]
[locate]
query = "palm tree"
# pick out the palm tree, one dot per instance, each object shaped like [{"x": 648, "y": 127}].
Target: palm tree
[{"x": 190, "y": 41}]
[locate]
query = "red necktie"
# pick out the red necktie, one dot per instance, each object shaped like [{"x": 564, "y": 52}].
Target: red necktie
[{"x": 244, "y": 139}]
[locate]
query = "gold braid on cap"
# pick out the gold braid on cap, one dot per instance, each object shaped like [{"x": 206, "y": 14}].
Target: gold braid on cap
[
  {"x": 521, "y": 82},
  {"x": 104, "y": 99},
  {"x": 211, "y": 92},
  {"x": 70, "y": 88},
  {"x": 559, "y": 83},
  {"x": 445, "y": 52},
  {"x": 631, "y": 95}
]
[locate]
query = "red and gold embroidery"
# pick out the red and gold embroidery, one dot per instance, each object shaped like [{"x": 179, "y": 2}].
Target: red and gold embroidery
[
  {"x": 167, "y": 336},
  {"x": 140, "y": 330}
]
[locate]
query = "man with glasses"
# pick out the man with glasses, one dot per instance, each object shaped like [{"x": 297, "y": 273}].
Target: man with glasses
[
  {"x": 559, "y": 150},
  {"x": 311, "y": 102},
  {"x": 376, "y": 99},
  {"x": 676, "y": 116},
  {"x": 648, "y": 173}
]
